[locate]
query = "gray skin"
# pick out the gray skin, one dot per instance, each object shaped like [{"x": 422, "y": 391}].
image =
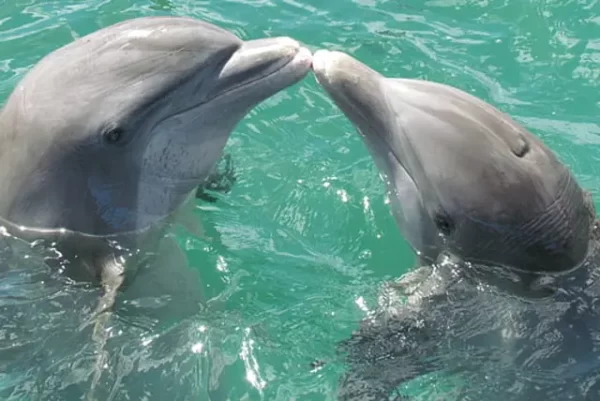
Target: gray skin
[
  {"x": 506, "y": 236},
  {"x": 111, "y": 134},
  {"x": 107, "y": 139}
]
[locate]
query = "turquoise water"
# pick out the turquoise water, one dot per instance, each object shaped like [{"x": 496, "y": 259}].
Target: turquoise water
[{"x": 298, "y": 248}]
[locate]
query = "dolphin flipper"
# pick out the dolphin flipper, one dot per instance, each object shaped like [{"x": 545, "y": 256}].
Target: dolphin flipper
[{"x": 221, "y": 179}]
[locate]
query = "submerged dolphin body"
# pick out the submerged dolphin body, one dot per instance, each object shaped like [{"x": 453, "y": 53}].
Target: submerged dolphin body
[
  {"x": 509, "y": 236},
  {"x": 106, "y": 139}
]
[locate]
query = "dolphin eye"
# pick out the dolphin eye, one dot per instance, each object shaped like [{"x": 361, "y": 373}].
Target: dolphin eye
[
  {"x": 114, "y": 135},
  {"x": 444, "y": 223}
]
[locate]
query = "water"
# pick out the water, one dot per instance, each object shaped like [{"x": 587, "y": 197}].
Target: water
[{"x": 295, "y": 253}]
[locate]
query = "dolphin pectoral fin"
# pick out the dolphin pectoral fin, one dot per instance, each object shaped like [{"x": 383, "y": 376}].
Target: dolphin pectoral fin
[
  {"x": 198, "y": 224},
  {"x": 167, "y": 289},
  {"x": 221, "y": 179},
  {"x": 191, "y": 222},
  {"x": 202, "y": 195}
]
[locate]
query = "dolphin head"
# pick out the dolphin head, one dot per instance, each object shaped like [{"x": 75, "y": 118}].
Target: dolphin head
[
  {"x": 463, "y": 178},
  {"x": 113, "y": 131}
]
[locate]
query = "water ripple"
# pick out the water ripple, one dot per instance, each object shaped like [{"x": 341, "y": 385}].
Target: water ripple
[{"x": 306, "y": 230}]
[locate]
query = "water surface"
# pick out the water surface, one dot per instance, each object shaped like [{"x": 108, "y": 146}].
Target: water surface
[{"x": 295, "y": 253}]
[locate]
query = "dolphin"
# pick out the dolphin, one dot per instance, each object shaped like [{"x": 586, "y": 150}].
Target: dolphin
[
  {"x": 112, "y": 133},
  {"x": 507, "y": 243},
  {"x": 106, "y": 139}
]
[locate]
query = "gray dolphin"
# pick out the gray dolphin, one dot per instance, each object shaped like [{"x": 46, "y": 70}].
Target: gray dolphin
[
  {"x": 507, "y": 239},
  {"x": 105, "y": 139},
  {"x": 113, "y": 132}
]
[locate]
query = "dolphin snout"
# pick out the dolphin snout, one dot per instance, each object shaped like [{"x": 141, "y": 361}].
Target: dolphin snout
[
  {"x": 352, "y": 85},
  {"x": 263, "y": 57},
  {"x": 323, "y": 61},
  {"x": 289, "y": 49},
  {"x": 339, "y": 72}
]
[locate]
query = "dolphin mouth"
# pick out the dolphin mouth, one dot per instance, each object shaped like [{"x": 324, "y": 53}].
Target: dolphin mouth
[
  {"x": 255, "y": 61},
  {"x": 262, "y": 60}
]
